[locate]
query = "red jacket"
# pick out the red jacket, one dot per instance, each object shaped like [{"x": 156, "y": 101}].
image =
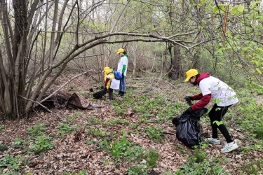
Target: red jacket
[{"x": 203, "y": 100}]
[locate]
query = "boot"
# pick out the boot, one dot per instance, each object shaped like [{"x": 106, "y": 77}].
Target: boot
[{"x": 121, "y": 93}]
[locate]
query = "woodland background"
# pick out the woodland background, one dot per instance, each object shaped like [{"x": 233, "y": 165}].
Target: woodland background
[
  {"x": 41, "y": 39},
  {"x": 48, "y": 46}
]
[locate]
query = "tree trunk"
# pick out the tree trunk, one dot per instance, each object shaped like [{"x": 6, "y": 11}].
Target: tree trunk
[
  {"x": 177, "y": 62},
  {"x": 19, "y": 54},
  {"x": 6, "y": 104},
  {"x": 175, "y": 58},
  {"x": 13, "y": 69},
  {"x": 38, "y": 43}
]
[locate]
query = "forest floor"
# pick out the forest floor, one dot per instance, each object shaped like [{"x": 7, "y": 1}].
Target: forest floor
[{"x": 115, "y": 137}]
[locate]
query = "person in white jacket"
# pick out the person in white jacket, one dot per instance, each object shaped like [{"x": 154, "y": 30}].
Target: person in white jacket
[
  {"x": 223, "y": 95},
  {"x": 122, "y": 68}
]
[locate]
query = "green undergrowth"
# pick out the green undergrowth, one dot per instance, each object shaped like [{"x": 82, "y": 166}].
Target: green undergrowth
[
  {"x": 122, "y": 150},
  {"x": 64, "y": 129},
  {"x": 13, "y": 163},
  {"x": 246, "y": 115},
  {"x": 152, "y": 107},
  {"x": 249, "y": 119},
  {"x": 254, "y": 167},
  {"x": 147, "y": 113},
  {"x": 202, "y": 163}
]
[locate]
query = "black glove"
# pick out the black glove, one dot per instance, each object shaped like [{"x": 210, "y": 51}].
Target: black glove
[
  {"x": 189, "y": 111},
  {"x": 105, "y": 90},
  {"x": 122, "y": 75},
  {"x": 188, "y": 99}
]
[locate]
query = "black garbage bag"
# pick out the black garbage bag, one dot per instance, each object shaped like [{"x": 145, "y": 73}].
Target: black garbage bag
[
  {"x": 188, "y": 128},
  {"x": 100, "y": 93},
  {"x": 197, "y": 114}
]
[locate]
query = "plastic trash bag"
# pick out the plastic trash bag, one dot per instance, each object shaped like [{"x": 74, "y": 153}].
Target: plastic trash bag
[
  {"x": 100, "y": 93},
  {"x": 188, "y": 128}
]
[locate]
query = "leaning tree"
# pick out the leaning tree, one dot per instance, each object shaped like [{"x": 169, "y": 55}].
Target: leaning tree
[{"x": 40, "y": 37}]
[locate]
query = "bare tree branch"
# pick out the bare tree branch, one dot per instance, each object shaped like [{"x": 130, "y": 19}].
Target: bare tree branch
[
  {"x": 63, "y": 86},
  {"x": 77, "y": 27},
  {"x": 41, "y": 106},
  {"x": 118, "y": 19},
  {"x": 52, "y": 39}
]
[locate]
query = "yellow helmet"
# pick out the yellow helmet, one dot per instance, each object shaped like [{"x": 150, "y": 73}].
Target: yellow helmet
[
  {"x": 107, "y": 70},
  {"x": 121, "y": 50},
  {"x": 190, "y": 73}
]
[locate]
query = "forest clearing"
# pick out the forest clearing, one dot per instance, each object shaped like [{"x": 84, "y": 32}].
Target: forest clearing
[
  {"x": 55, "y": 52},
  {"x": 133, "y": 135}
]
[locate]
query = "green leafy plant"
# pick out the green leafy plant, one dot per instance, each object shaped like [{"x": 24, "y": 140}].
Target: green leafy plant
[
  {"x": 252, "y": 120},
  {"x": 155, "y": 133},
  {"x": 258, "y": 132},
  {"x": 3, "y": 147},
  {"x": 71, "y": 118},
  {"x": 11, "y": 161},
  {"x": 115, "y": 121},
  {"x": 142, "y": 120},
  {"x": 65, "y": 128},
  {"x": 125, "y": 150},
  {"x": 119, "y": 110},
  {"x": 199, "y": 164},
  {"x": 2, "y": 128},
  {"x": 41, "y": 144},
  {"x": 106, "y": 162},
  {"x": 94, "y": 120},
  {"x": 18, "y": 143},
  {"x": 256, "y": 87},
  {"x": 104, "y": 144},
  {"x": 134, "y": 125},
  {"x": 140, "y": 109},
  {"x": 199, "y": 156},
  {"x": 253, "y": 167},
  {"x": 180, "y": 148},
  {"x": 115, "y": 102},
  {"x": 82, "y": 172},
  {"x": 138, "y": 170},
  {"x": 97, "y": 132},
  {"x": 36, "y": 130},
  {"x": 151, "y": 157}
]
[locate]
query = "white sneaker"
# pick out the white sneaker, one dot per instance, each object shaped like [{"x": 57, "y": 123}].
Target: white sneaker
[
  {"x": 213, "y": 141},
  {"x": 229, "y": 147}
]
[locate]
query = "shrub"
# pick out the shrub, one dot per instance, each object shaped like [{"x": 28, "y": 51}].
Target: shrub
[
  {"x": 36, "y": 130},
  {"x": 42, "y": 143}
]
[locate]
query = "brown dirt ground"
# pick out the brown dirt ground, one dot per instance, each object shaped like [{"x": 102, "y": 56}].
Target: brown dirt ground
[{"x": 71, "y": 155}]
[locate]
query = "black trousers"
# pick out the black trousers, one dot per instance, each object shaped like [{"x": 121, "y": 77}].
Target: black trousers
[
  {"x": 110, "y": 94},
  {"x": 216, "y": 114}
]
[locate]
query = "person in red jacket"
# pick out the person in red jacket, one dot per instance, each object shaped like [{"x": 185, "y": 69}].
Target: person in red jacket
[{"x": 223, "y": 95}]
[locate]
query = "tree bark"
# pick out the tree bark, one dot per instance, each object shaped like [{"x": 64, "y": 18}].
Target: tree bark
[
  {"x": 39, "y": 43},
  {"x": 175, "y": 64}
]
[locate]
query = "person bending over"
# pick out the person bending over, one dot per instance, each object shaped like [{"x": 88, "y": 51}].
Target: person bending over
[{"x": 224, "y": 96}]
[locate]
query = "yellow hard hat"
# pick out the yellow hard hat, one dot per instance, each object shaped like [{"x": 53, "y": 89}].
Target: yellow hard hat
[
  {"x": 190, "y": 73},
  {"x": 107, "y": 70},
  {"x": 121, "y": 50}
]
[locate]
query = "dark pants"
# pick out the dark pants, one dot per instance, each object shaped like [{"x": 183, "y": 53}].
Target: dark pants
[
  {"x": 110, "y": 94},
  {"x": 216, "y": 114}
]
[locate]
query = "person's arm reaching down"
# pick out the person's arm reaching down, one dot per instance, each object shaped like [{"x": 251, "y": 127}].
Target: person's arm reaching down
[{"x": 202, "y": 102}]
